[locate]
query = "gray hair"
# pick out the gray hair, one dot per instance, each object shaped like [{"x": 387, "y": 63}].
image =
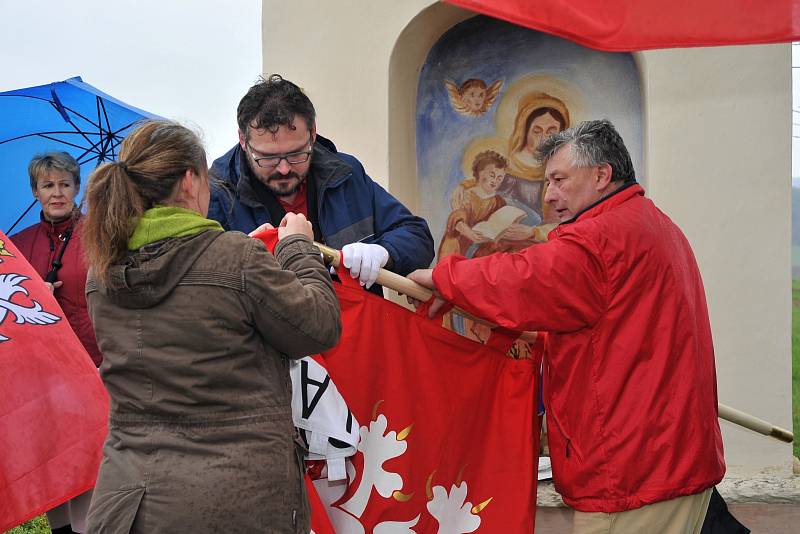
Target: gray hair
[
  {"x": 41, "y": 164},
  {"x": 592, "y": 143}
]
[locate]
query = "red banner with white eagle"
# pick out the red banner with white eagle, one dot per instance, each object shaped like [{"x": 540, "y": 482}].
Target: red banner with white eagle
[
  {"x": 449, "y": 434},
  {"x": 627, "y": 25},
  {"x": 448, "y": 427},
  {"x": 53, "y": 406}
]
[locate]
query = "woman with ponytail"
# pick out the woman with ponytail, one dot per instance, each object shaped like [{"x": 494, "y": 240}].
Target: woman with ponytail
[{"x": 196, "y": 326}]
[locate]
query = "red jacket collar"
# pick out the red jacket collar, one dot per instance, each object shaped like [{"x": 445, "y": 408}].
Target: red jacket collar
[
  {"x": 609, "y": 202},
  {"x": 61, "y": 226}
]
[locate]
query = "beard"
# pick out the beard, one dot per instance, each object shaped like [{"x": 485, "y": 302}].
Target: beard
[
  {"x": 273, "y": 180},
  {"x": 287, "y": 189}
]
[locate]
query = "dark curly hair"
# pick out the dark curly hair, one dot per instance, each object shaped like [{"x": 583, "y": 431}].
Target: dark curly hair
[
  {"x": 486, "y": 158},
  {"x": 271, "y": 103}
]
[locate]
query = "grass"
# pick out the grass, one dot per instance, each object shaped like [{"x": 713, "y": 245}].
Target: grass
[
  {"x": 796, "y": 363},
  {"x": 37, "y": 525}
]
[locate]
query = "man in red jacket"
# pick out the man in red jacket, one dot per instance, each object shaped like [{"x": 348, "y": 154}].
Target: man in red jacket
[{"x": 629, "y": 358}]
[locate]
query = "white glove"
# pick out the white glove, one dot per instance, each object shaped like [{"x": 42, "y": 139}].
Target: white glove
[{"x": 364, "y": 261}]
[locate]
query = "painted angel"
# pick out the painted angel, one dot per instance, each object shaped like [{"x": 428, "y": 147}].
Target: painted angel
[{"x": 474, "y": 97}]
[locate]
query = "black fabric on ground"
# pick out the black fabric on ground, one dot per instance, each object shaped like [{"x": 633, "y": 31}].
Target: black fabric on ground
[{"x": 719, "y": 520}]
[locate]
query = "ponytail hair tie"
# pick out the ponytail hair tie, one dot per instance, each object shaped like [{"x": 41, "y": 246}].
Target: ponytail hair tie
[{"x": 123, "y": 166}]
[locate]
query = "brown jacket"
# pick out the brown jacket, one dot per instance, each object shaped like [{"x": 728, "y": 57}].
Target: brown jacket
[{"x": 196, "y": 352}]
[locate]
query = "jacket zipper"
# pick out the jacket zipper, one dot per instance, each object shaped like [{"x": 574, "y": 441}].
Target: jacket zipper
[
  {"x": 567, "y": 447},
  {"x": 556, "y": 424},
  {"x": 52, "y": 248}
]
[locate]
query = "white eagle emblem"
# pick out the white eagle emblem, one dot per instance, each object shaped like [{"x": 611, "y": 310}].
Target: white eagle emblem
[{"x": 9, "y": 285}]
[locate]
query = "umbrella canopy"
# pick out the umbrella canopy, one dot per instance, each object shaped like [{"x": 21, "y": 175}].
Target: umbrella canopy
[{"x": 70, "y": 116}]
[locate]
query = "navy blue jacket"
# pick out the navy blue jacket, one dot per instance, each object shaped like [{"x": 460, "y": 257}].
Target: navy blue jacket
[{"x": 350, "y": 207}]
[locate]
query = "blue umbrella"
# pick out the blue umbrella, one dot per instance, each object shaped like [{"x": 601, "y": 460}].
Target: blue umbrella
[{"x": 70, "y": 116}]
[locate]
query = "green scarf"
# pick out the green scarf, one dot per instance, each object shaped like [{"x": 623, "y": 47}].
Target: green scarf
[{"x": 162, "y": 222}]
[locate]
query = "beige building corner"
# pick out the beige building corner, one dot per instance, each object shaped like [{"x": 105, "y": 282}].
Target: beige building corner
[{"x": 717, "y": 131}]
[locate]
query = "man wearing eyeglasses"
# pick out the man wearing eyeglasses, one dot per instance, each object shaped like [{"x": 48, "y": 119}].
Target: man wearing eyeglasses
[{"x": 281, "y": 165}]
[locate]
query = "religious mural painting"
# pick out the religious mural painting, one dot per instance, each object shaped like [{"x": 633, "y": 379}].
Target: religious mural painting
[{"x": 488, "y": 94}]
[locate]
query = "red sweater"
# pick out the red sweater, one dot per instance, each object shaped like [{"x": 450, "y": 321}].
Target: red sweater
[
  {"x": 630, "y": 384},
  {"x": 39, "y": 244}
]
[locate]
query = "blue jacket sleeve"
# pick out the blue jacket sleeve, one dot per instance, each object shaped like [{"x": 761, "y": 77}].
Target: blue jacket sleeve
[{"x": 405, "y": 236}]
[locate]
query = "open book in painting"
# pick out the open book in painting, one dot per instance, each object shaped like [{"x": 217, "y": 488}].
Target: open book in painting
[{"x": 499, "y": 221}]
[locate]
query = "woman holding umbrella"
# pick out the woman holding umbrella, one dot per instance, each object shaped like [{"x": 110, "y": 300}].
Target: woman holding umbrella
[
  {"x": 197, "y": 327},
  {"x": 54, "y": 249}
]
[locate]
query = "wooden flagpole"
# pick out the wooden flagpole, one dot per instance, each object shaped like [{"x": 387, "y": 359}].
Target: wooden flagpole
[{"x": 403, "y": 285}]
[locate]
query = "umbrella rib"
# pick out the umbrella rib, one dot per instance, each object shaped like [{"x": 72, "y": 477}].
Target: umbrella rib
[
  {"x": 77, "y": 130},
  {"x": 117, "y": 140},
  {"x": 103, "y": 141},
  {"x": 116, "y": 132},
  {"x": 82, "y": 116},
  {"x": 102, "y": 152},
  {"x": 69, "y": 121},
  {"x": 93, "y": 147},
  {"x": 54, "y": 106},
  {"x": 114, "y": 139},
  {"x": 45, "y": 133},
  {"x": 99, "y": 126},
  {"x": 80, "y": 159},
  {"x": 24, "y": 213},
  {"x": 110, "y": 144},
  {"x": 28, "y": 96},
  {"x": 87, "y": 119},
  {"x": 102, "y": 106}
]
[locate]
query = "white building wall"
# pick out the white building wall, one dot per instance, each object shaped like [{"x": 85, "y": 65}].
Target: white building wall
[{"x": 717, "y": 151}]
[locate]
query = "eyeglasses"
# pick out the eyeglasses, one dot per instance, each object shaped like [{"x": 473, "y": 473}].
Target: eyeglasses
[{"x": 292, "y": 158}]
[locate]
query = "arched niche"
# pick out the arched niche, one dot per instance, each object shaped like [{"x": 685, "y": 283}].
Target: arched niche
[{"x": 434, "y": 135}]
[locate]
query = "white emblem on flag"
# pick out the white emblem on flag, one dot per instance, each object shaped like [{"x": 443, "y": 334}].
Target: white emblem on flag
[
  {"x": 10, "y": 284},
  {"x": 378, "y": 444},
  {"x": 451, "y": 511}
]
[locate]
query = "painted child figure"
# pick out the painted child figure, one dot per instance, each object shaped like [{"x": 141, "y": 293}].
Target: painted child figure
[
  {"x": 474, "y": 203},
  {"x": 477, "y": 201}
]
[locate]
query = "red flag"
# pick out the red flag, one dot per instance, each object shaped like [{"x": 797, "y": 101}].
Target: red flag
[
  {"x": 449, "y": 436},
  {"x": 626, "y": 25},
  {"x": 449, "y": 433},
  {"x": 320, "y": 524},
  {"x": 53, "y": 406}
]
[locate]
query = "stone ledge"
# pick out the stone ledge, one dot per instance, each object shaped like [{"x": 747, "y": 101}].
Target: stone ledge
[
  {"x": 778, "y": 487},
  {"x": 773, "y": 487}
]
